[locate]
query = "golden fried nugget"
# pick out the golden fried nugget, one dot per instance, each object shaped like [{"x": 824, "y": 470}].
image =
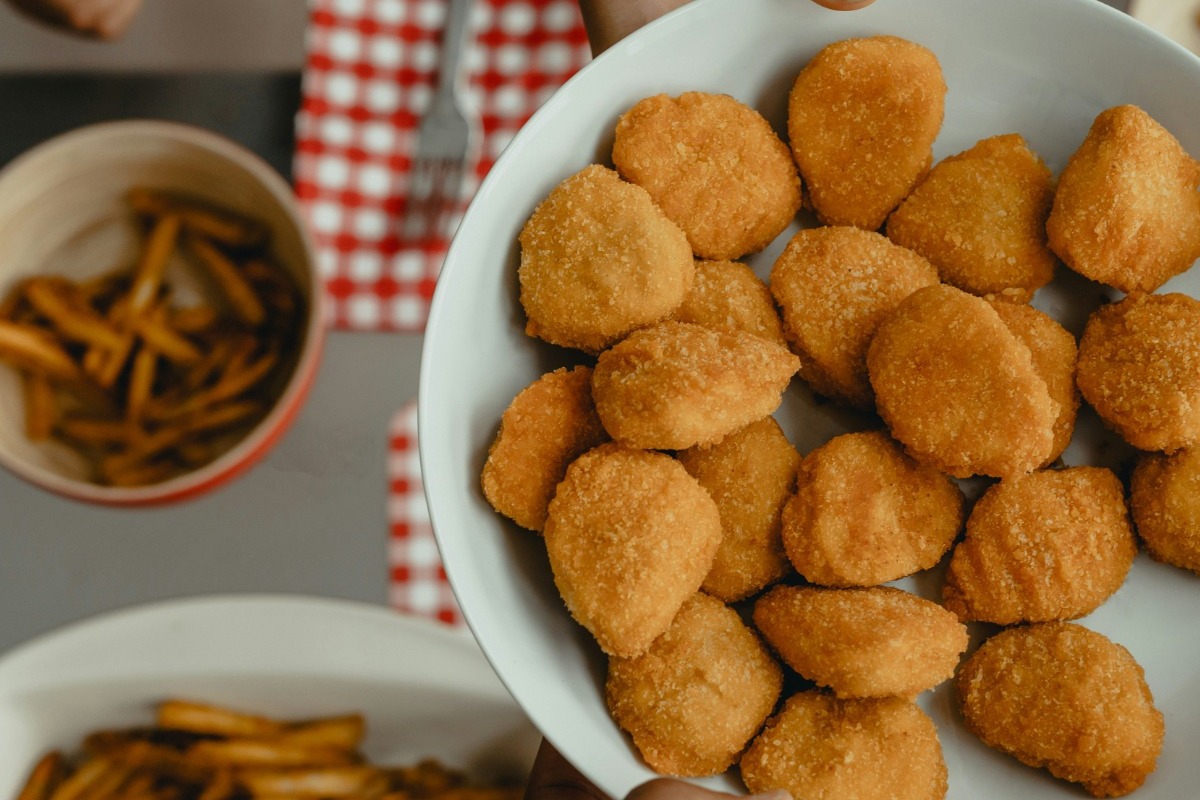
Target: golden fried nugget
[
  {"x": 728, "y": 296},
  {"x": 1050, "y": 545},
  {"x": 958, "y": 389},
  {"x": 877, "y": 642},
  {"x": 862, "y": 117},
  {"x": 699, "y": 694},
  {"x": 750, "y": 475},
  {"x": 1127, "y": 209},
  {"x": 630, "y": 537},
  {"x": 598, "y": 259},
  {"x": 864, "y": 513},
  {"x": 1139, "y": 367},
  {"x": 547, "y": 426},
  {"x": 1054, "y": 354},
  {"x": 980, "y": 219},
  {"x": 1165, "y": 498},
  {"x": 715, "y": 168},
  {"x": 834, "y": 286},
  {"x": 676, "y": 385},
  {"x": 1060, "y": 696},
  {"x": 823, "y": 748}
]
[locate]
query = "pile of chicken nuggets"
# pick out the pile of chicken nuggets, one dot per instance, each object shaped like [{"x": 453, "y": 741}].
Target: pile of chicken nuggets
[{"x": 669, "y": 500}]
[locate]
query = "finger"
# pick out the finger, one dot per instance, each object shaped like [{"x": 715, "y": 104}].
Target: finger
[
  {"x": 669, "y": 789},
  {"x": 553, "y": 778},
  {"x": 116, "y": 18},
  {"x": 610, "y": 21},
  {"x": 844, "y": 5}
]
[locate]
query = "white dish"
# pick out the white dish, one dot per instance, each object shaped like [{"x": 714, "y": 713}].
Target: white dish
[
  {"x": 1041, "y": 69},
  {"x": 426, "y": 690}
]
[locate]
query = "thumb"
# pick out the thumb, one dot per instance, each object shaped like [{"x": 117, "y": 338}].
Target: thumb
[
  {"x": 844, "y": 5},
  {"x": 553, "y": 778},
  {"x": 668, "y": 789}
]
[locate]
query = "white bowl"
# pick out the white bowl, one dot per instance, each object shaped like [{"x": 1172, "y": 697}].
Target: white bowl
[
  {"x": 1041, "y": 69},
  {"x": 425, "y": 689},
  {"x": 63, "y": 212}
]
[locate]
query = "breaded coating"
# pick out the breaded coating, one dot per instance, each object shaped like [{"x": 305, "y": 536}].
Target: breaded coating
[
  {"x": 750, "y": 475},
  {"x": 980, "y": 219},
  {"x": 1050, "y": 545},
  {"x": 676, "y": 385},
  {"x": 834, "y": 286},
  {"x": 1054, "y": 354},
  {"x": 823, "y": 748},
  {"x": 877, "y": 642},
  {"x": 598, "y": 260},
  {"x": 715, "y": 168},
  {"x": 1139, "y": 367},
  {"x": 862, "y": 117},
  {"x": 630, "y": 537},
  {"x": 1060, "y": 696},
  {"x": 699, "y": 694},
  {"x": 1127, "y": 210},
  {"x": 958, "y": 389},
  {"x": 728, "y": 296},
  {"x": 864, "y": 513},
  {"x": 1165, "y": 498},
  {"x": 547, "y": 426}
]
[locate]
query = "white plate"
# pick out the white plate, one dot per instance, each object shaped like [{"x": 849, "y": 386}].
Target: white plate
[
  {"x": 426, "y": 691},
  {"x": 1038, "y": 68}
]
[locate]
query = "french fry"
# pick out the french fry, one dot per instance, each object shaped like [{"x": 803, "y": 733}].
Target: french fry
[
  {"x": 141, "y": 383},
  {"x": 12, "y": 301},
  {"x": 233, "y": 284},
  {"x": 221, "y": 226},
  {"x": 323, "y": 782},
  {"x": 95, "y": 431},
  {"x": 221, "y": 787},
  {"x": 140, "y": 474},
  {"x": 43, "y": 778},
  {"x": 40, "y": 411},
  {"x": 238, "y": 379},
  {"x": 265, "y": 753},
  {"x": 25, "y": 346},
  {"x": 84, "y": 778},
  {"x": 72, "y": 322},
  {"x": 151, "y": 265},
  {"x": 194, "y": 319},
  {"x": 344, "y": 733},
  {"x": 183, "y": 715},
  {"x": 160, "y": 338},
  {"x": 159, "y": 758}
]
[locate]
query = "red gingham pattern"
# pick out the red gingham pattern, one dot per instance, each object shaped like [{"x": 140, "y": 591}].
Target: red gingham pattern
[
  {"x": 370, "y": 73},
  {"x": 418, "y": 582}
]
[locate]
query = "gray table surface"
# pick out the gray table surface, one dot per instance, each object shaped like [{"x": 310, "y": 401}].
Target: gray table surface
[{"x": 310, "y": 519}]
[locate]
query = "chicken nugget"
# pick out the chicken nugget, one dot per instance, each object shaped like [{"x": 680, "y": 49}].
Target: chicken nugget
[
  {"x": 864, "y": 513},
  {"x": 834, "y": 286},
  {"x": 728, "y": 296},
  {"x": 630, "y": 537},
  {"x": 598, "y": 259},
  {"x": 958, "y": 389},
  {"x": 980, "y": 219},
  {"x": 877, "y": 642},
  {"x": 750, "y": 475},
  {"x": 715, "y": 168},
  {"x": 1054, "y": 354},
  {"x": 823, "y": 748},
  {"x": 699, "y": 694},
  {"x": 547, "y": 426},
  {"x": 1165, "y": 498},
  {"x": 1050, "y": 545},
  {"x": 676, "y": 385},
  {"x": 862, "y": 117},
  {"x": 1139, "y": 367},
  {"x": 1127, "y": 209},
  {"x": 1060, "y": 696}
]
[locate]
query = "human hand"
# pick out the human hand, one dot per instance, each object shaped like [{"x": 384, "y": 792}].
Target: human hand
[
  {"x": 105, "y": 19},
  {"x": 553, "y": 778},
  {"x": 609, "y": 21}
]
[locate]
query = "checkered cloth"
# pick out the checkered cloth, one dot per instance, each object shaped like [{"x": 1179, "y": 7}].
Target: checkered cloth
[
  {"x": 370, "y": 73},
  {"x": 418, "y": 581}
]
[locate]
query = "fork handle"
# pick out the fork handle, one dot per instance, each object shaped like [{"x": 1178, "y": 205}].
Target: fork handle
[{"x": 454, "y": 36}]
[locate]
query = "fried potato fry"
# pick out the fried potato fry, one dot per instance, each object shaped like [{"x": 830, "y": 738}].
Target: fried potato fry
[
  {"x": 200, "y": 218},
  {"x": 233, "y": 284},
  {"x": 184, "y": 715},
  {"x": 313, "y": 782},
  {"x": 159, "y": 337},
  {"x": 40, "y": 412},
  {"x": 236, "y": 752},
  {"x": 43, "y": 778},
  {"x": 30, "y": 348},
  {"x": 76, "y": 324},
  {"x": 343, "y": 733}
]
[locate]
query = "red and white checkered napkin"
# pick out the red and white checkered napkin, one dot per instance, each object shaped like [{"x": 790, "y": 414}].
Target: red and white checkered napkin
[
  {"x": 371, "y": 69},
  {"x": 418, "y": 582}
]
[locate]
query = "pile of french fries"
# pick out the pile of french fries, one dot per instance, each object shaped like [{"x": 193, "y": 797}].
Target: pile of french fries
[
  {"x": 144, "y": 388},
  {"x": 203, "y": 752}
]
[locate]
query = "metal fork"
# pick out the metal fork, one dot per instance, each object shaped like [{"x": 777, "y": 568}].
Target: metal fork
[{"x": 435, "y": 180}]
